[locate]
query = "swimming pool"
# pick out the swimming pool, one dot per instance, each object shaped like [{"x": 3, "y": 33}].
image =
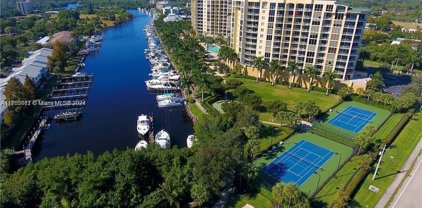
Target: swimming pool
[{"x": 213, "y": 48}]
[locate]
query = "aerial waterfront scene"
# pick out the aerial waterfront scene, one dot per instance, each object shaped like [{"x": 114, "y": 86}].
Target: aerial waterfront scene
[{"x": 272, "y": 103}]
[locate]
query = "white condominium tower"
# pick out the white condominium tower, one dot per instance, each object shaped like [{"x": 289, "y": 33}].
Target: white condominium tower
[
  {"x": 318, "y": 33},
  {"x": 211, "y": 17}
]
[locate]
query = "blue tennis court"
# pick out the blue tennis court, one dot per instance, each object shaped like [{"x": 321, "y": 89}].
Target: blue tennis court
[
  {"x": 352, "y": 119},
  {"x": 298, "y": 163}
]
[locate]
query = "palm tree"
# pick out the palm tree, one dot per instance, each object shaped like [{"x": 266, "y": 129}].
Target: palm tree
[
  {"x": 329, "y": 77},
  {"x": 200, "y": 81},
  {"x": 187, "y": 83},
  {"x": 311, "y": 72},
  {"x": 278, "y": 194},
  {"x": 293, "y": 194},
  {"x": 288, "y": 117},
  {"x": 274, "y": 71},
  {"x": 238, "y": 67},
  {"x": 414, "y": 58},
  {"x": 292, "y": 68},
  {"x": 252, "y": 148},
  {"x": 258, "y": 63}
]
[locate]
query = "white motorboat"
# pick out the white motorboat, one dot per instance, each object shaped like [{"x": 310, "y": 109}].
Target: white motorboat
[
  {"x": 191, "y": 140},
  {"x": 162, "y": 86},
  {"x": 143, "y": 124},
  {"x": 169, "y": 103},
  {"x": 162, "y": 138},
  {"x": 170, "y": 96},
  {"x": 141, "y": 144}
]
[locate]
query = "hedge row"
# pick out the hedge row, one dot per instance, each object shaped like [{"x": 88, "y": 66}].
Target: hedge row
[
  {"x": 355, "y": 181},
  {"x": 399, "y": 126}
]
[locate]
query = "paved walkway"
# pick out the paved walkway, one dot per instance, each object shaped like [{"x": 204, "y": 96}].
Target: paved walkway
[
  {"x": 197, "y": 103},
  {"x": 403, "y": 172}
]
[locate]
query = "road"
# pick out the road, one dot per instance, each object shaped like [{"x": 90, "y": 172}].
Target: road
[{"x": 410, "y": 195}]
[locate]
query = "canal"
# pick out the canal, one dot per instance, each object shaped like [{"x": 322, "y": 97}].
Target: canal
[{"x": 118, "y": 95}]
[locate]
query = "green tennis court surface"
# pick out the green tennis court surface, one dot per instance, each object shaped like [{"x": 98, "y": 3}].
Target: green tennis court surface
[{"x": 314, "y": 177}]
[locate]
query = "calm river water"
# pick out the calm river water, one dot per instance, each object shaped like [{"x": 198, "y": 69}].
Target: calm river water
[{"x": 118, "y": 95}]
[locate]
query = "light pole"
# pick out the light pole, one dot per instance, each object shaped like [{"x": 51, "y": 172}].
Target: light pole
[
  {"x": 319, "y": 179},
  {"x": 339, "y": 160},
  {"x": 379, "y": 162}
]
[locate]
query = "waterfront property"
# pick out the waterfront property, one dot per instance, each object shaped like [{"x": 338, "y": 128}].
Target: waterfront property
[
  {"x": 117, "y": 96},
  {"x": 319, "y": 33}
]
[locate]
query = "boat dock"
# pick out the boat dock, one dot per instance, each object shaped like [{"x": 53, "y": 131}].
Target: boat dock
[
  {"x": 27, "y": 151},
  {"x": 68, "y": 98},
  {"x": 151, "y": 129}
]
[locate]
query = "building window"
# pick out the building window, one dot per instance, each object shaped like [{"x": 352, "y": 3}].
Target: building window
[{"x": 318, "y": 7}]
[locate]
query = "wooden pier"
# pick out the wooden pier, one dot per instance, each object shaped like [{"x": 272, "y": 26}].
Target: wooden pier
[
  {"x": 27, "y": 151},
  {"x": 151, "y": 129}
]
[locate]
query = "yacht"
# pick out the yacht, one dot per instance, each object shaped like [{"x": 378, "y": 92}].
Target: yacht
[
  {"x": 162, "y": 86},
  {"x": 190, "y": 140},
  {"x": 169, "y": 103},
  {"x": 162, "y": 138},
  {"x": 143, "y": 124},
  {"x": 141, "y": 144},
  {"x": 173, "y": 96}
]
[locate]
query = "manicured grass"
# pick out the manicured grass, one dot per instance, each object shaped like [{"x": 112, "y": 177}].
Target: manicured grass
[
  {"x": 388, "y": 125},
  {"x": 266, "y": 142},
  {"x": 410, "y": 25},
  {"x": 196, "y": 111},
  {"x": 393, "y": 160},
  {"x": 375, "y": 64},
  {"x": 260, "y": 199},
  {"x": 291, "y": 97},
  {"x": 322, "y": 123},
  {"x": 309, "y": 187},
  {"x": 107, "y": 23}
]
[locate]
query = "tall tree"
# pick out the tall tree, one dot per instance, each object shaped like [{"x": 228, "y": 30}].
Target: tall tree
[
  {"x": 311, "y": 72},
  {"x": 29, "y": 89},
  {"x": 57, "y": 60},
  {"x": 329, "y": 78},
  {"x": 258, "y": 63},
  {"x": 274, "y": 71},
  {"x": 278, "y": 194},
  {"x": 376, "y": 83},
  {"x": 293, "y": 68},
  {"x": 14, "y": 92},
  {"x": 252, "y": 148}
]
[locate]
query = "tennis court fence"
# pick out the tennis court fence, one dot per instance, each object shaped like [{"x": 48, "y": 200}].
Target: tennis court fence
[{"x": 334, "y": 131}]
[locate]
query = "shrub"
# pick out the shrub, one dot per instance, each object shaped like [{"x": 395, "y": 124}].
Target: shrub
[{"x": 233, "y": 83}]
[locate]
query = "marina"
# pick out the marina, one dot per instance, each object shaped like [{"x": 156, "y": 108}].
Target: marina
[{"x": 121, "y": 68}]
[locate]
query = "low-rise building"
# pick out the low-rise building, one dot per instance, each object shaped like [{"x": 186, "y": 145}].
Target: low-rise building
[
  {"x": 43, "y": 41},
  {"x": 414, "y": 43},
  {"x": 171, "y": 10},
  {"x": 161, "y": 4},
  {"x": 63, "y": 37},
  {"x": 35, "y": 67}
]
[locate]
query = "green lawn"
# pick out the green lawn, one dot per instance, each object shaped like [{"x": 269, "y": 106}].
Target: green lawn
[
  {"x": 291, "y": 97},
  {"x": 260, "y": 199},
  {"x": 327, "y": 195},
  {"x": 388, "y": 125},
  {"x": 375, "y": 64},
  {"x": 196, "y": 111},
  {"x": 322, "y": 123},
  {"x": 393, "y": 160},
  {"x": 328, "y": 168},
  {"x": 266, "y": 142}
]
